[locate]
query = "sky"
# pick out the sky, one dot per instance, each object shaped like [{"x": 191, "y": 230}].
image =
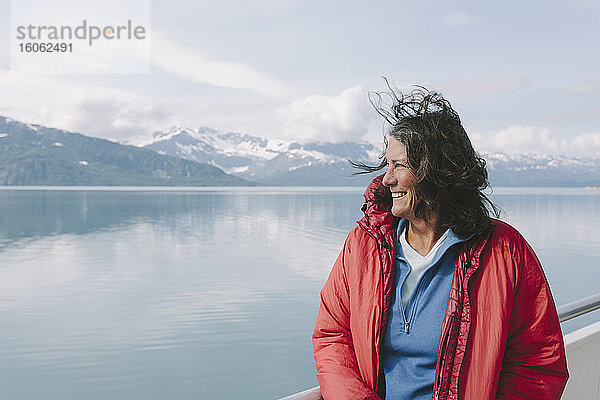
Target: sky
[{"x": 523, "y": 75}]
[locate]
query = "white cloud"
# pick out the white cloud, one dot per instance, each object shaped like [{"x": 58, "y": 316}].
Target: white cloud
[
  {"x": 62, "y": 102},
  {"x": 189, "y": 63},
  {"x": 92, "y": 110},
  {"x": 459, "y": 19},
  {"x": 586, "y": 143},
  {"x": 121, "y": 118},
  {"x": 344, "y": 117},
  {"x": 518, "y": 139}
]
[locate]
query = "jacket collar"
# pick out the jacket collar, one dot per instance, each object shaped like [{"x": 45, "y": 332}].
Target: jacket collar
[{"x": 378, "y": 219}]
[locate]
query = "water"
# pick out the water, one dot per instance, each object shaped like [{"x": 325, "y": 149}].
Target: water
[{"x": 206, "y": 293}]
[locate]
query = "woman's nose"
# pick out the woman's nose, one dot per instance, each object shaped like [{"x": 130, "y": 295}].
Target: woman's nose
[{"x": 388, "y": 179}]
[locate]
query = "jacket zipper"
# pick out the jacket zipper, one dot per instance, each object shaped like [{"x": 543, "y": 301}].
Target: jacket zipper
[{"x": 443, "y": 361}]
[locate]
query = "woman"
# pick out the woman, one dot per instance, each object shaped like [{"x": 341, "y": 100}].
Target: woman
[{"x": 430, "y": 297}]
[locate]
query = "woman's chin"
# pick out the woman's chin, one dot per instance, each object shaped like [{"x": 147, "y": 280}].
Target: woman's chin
[{"x": 398, "y": 211}]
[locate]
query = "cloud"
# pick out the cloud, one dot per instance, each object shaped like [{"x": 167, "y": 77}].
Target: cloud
[
  {"x": 93, "y": 110},
  {"x": 519, "y": 139},
  {"x": 344, "y": 117},
  {"x": 459, "y": 19},
  {"x": 485, "y": 85},
  {"x": 581, "y": 88},
  {"x": 273, "y": 6},
  {"x": 190, "y": 63},
  {"x": 586, "y": 143},
  {"x": 119, "y": 118},
  {"x": 101, "y": 106}
]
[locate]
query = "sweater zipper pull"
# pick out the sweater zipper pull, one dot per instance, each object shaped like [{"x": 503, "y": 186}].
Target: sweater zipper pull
[
  {"x": 436, "y": 395},
  {"x": 406, "y": 326}
]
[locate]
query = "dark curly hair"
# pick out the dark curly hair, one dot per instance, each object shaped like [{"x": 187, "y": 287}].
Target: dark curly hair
[{"x": 450, "y": 176}]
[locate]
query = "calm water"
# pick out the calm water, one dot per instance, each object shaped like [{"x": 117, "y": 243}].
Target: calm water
[{"x": 207, "y": 293}]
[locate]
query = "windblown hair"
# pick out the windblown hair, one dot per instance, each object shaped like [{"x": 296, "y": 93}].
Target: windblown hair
[{"x": 450, "y": 176}]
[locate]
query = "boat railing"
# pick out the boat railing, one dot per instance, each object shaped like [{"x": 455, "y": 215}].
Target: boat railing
[
  {"x": 579, "y": 307},
  {"x": 582, "y": 379}
]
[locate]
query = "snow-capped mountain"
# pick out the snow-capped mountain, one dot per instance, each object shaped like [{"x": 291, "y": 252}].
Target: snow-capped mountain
[
  {"x": 36, "y": 155},
  {"x": 541, "y": 170},
  {"x": 288, "y": 163},
  {"x": 266, "y": 161}
]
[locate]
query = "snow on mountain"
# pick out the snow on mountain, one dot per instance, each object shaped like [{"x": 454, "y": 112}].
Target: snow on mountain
[
  {"x": 191, "y": 141},
  {"x": 541, "y": 170},
  {"x": 261, "y": 159},
  {"x": 36, "y": 155},
  {"x": 288, "y": 163}
]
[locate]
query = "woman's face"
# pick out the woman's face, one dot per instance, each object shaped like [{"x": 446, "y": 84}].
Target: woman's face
[{"x": 400, "y": 179}]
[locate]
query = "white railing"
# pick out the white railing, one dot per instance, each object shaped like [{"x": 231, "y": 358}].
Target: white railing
[
  {"x": 583, "y": 355},
  {"x": 579, "y": 307}
]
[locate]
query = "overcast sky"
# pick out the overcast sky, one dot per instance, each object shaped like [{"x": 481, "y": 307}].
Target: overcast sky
[{"x": 523, "y": 75}]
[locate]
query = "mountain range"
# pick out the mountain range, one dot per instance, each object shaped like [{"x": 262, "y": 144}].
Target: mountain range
[
  {"x": 289, "y": 163},
  {"x": 36, "y": 155},
  {"x": 267, "y": 161}
]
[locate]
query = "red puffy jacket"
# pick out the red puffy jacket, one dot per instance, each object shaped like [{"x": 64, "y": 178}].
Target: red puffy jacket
[{"x": 501, "y": 338}]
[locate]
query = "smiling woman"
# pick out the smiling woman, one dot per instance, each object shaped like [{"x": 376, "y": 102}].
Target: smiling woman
[{"x": 466, "y": 311}]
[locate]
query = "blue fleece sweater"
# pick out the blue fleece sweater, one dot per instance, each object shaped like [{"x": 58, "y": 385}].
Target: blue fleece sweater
[{"x": 411, "y": 340}]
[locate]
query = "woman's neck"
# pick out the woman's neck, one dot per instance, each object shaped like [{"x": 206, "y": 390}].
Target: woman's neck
[{"x": 422, "y": 235}]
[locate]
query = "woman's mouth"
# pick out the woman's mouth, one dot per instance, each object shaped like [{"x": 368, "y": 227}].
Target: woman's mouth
[{"x": 398, "y": 195}]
